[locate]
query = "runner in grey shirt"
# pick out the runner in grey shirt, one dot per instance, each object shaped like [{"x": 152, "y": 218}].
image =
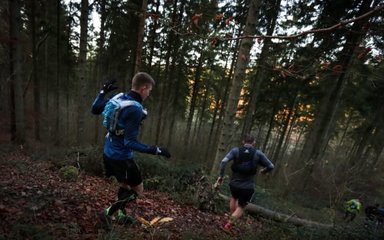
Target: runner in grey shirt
[{"x": 245, "y": 159}]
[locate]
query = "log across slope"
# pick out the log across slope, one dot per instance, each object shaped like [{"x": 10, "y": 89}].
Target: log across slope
[{"x": 281, "y": 217}]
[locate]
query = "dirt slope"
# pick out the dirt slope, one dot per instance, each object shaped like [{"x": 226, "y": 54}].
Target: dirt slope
[{"x": 36, "y": 204}]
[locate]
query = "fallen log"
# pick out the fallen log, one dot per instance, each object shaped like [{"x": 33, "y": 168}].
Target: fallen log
[{"x": 281, "y": 217}]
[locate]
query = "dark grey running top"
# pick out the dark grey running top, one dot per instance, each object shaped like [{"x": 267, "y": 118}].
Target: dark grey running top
[{"x": 239, "y": 180}]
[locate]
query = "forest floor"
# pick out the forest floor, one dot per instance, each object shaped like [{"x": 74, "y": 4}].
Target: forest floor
[{"x": 35, "y": 203}]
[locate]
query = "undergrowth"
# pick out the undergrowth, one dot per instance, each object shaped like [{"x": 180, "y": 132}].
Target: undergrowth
[{"x": 180, "y": 182}]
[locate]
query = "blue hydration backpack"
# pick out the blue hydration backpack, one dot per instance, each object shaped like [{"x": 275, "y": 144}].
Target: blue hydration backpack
[
  {"x": 244, "y": 162},
  {"x": 112, "y": 111}
]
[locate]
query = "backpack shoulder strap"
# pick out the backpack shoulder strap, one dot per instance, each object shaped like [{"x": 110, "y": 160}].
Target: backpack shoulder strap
[
  {"x": 117, "y": 95},
  {"x": 125, "y": 102}
]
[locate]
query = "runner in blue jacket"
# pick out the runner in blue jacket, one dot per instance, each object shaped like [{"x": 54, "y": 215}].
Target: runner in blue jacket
[{"x": 119, "y": 147}]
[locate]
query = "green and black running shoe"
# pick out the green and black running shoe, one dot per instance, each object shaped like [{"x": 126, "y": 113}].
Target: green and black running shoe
[
  {"x": 124, "y": 219},
  {"x": 105, "y": 220}
]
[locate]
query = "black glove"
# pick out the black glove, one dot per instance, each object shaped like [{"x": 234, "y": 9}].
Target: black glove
[
  {"x": 109, "y": 85},
  {"x": 163, "y": 152}
]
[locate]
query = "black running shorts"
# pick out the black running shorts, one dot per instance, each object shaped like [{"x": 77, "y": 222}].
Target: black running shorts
[
  {"x": 125, "y": 171},
  {"x": 243, "y": 196}
]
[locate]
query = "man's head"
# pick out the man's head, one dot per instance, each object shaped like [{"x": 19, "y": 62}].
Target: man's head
[
  {"x": 142, "y": 83},
  {"x": 249, "y": 139}
]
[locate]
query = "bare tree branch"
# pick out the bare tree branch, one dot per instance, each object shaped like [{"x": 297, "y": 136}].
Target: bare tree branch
[{"x": 327, "y": 29}]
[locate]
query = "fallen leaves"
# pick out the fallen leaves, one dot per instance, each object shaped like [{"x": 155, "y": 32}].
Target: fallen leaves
[
  {"x": 155, "y": 221},
  {"x": 68, "y": 210}
]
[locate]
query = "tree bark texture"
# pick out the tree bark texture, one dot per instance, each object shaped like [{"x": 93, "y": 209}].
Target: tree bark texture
[
  {"x": 260, "y": 71},
  {"x": 82, "y": 79},
  {"x": 16, "y": 80},
  {"x": 35, "y": 79},
  {"x": 165, "y": 84},
  {"x": 227, "y": 129},
  {"x": 57, "y": 137},
  {"x": 195, "y": 92},
  {"x": 140, "y": 36}
]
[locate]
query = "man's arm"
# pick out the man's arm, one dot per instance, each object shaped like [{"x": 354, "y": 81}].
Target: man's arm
[
  {"x": 265, "y": 162},
  {"x": 98, "y": 104},
  {"x": 229, "y": 157},
  {"x": 133, "y": 116},
  {"x": 223, "y": 164}
]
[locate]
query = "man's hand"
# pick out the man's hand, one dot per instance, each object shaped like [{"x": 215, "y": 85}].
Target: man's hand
[
  {"x": 109, "y": 85},
  {"x": 163, "y": 152},
  {"x": 218, "y": 182},
  {"x": 264, "y": 171}
]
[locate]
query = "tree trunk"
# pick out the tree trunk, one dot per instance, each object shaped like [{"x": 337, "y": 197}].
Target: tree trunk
[
  {"x": 140, "y": 36},
  {"x": 320, "y": 132},
  {"x": 227, "y": 129},
  {"x": 287, "y": 140},
  {"x": 36, "y": 81},
  {"x": 165, "y": 84},
  {"x": 271, "y": 120},
  {"x": 366, "y": 138},
  {"x": 197, "y": 134},
  {"x": 284, "y": 130},
  {"x": 195, "y": 92},
  {"x": 152, "y": 37},
  {"x": 57, "y": 137},
  {"x": 260, "y": 71},
  {"x": 176, "y": 71},
  {"x": 16, "y": 81},
  {"x": 345, "y": 131},
  {"x": 100, "y": 63},
  {"x": 173, "y": 96},
  {"x": 174, "y": 108},
  {"x": 220, "y": 102},
  {"x": 82, "y": 90}
]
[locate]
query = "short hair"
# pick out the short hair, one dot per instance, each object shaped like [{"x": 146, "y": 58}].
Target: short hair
[
  {"x": 141, "y": 79},
  {"x": 249, "y": 139}
]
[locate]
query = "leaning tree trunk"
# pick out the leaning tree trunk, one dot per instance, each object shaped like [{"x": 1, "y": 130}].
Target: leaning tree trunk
[
  {"x": 16, "y": 81},
  {"x": 227, "y": 129}
]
